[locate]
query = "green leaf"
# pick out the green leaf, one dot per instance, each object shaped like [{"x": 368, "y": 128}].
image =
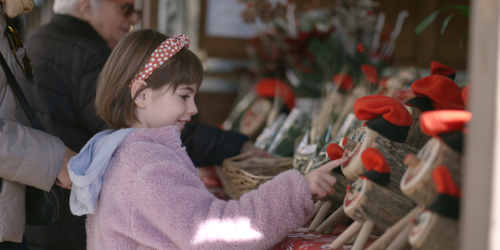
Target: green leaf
[
  {"x": 426, "y": 22},
  {"x": 429, "y": 19},
  {"x": 461, "y": 39},
  {"x": 445, "y": 23}
]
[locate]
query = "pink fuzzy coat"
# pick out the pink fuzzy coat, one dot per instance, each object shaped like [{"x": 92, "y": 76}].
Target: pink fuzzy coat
[{"x": 152, "y": 198}]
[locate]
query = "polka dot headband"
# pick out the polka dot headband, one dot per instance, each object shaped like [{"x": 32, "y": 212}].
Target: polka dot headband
[{"x": 162, "y": 53}]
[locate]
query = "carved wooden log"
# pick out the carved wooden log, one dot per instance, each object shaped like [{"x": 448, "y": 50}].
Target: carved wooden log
[
  {"x": 415, "y": 138},
  {"x": 394, "y": 153},
  {"x": 434, "y": 232},
  {"x": 390, "y": 234},
  {"x": 417, "y": 182},
  {"x": 367, "y": 200}
]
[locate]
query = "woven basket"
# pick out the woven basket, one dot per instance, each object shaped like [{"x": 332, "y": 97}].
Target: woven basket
[{"x": 239, "y": 177}]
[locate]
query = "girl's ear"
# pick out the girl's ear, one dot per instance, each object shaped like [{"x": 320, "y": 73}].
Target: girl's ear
[{"x": 143, "y": 97}]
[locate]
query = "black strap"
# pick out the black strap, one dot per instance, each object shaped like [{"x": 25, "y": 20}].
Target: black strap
[{"x": 20, "y": 95}]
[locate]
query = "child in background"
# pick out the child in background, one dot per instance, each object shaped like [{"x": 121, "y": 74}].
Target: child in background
[{"x": 137, "y": 183}]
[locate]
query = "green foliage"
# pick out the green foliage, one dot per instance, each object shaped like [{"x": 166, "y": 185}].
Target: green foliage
[{"x": 461, "y": 10}]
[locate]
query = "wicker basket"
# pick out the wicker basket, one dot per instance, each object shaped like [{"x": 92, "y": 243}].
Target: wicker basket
[{"x": 239, "y": 177}]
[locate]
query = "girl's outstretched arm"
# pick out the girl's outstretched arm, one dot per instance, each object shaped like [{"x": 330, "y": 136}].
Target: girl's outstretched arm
[{"x": 172, "y": 203}]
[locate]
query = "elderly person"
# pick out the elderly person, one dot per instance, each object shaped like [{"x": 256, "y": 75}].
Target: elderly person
[
  {"x": 68, "y": 55},
  {"x": 27, "y": 156}
]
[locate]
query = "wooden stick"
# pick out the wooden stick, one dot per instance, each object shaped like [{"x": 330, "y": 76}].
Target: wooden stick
[
  {"x": 391, "y": 233},
  {"x": 352, "y": 230},
  {"x": 317, "y": 206},
  {"x": 353, "y": 239},
  {"x": 320, "y": 216},
  {"x": 333, "y": 221},
  {"x": 401, "y": 241},
  {"x": 363, "y": 235}
]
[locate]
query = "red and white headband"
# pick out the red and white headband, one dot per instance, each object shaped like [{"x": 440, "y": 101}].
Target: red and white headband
[{"x": 162, "y": 53}]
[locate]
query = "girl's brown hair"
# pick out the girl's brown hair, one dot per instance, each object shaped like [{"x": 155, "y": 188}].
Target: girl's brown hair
[{"x": 113, "y": 101}]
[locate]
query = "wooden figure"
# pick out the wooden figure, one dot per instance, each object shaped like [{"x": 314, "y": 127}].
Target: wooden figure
[
  {"x": 272, "y": 94},
  {"x": 437, "y": 227},
  {"x": 444, "y": 148},
  {"x": 254, "y": 119},
  {"x": 387, "y": 127},
  {"x": 370, "y": 203}
]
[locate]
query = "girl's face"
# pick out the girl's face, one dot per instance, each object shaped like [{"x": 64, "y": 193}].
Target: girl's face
[{"x": 167, "y": 107}]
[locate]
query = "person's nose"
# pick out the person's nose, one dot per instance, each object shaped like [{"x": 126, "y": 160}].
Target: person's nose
[
  {"x": 192, "y": 109},
  {"x": 134, "y": 18}
]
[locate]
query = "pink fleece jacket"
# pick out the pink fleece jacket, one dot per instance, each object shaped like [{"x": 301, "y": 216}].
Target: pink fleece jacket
[{"x": 152, "y": 198}]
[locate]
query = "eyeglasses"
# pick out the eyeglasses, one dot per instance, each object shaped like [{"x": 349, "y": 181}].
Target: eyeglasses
[
  {"x": 16, "y": 43},
  {"x": 127, "y": 8}
]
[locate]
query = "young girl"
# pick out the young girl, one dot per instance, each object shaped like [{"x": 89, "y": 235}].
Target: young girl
[{"x": 138, "y": 185}]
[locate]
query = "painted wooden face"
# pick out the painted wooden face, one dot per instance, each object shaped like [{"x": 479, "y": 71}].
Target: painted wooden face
[
  {"x": 354, "y": 194},
  {"x": 425, "y": 160},
  {"x": 255, "y": 117},
  {"x": 363, "y": 137},
  {"x": 421, "y": 227}
]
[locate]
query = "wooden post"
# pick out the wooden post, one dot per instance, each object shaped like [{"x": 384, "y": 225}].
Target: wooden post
[
  {"x": 480, "y": 211},
  {"x": 432, "y": 231},
  {"x": 352, "y": 230},
  {"x": 383, "y": 241},
  {"x": 417, "y": 182}
]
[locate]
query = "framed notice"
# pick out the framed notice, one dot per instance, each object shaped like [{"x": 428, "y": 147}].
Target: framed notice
[{"x": 223, "y": 20}]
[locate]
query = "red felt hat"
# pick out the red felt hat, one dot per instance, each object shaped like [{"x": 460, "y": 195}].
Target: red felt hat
[
  {"x": 371, "y": 74},
  {"x": 372, "y": 159},
  {"x": 370, "y": 107},
  {"x": 442, "y": 92},
  {"x": 434, "y": 123},
  {"x": 334, "y": 151},
  {"x": 465, "y": 95},
  {"x": 268, "y": 87},
  {"x": 444, "y": 182},
  {"x": 438, "y": 68},
  {"x": 344, "y": 81},
  {"x": 378, "y": 169}
]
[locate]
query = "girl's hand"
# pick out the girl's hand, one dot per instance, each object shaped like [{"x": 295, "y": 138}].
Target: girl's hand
[{"x": 320, "y": 181}]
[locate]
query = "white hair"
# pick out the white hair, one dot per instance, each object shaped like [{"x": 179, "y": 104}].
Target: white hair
[{"x": 68, "y": 6}]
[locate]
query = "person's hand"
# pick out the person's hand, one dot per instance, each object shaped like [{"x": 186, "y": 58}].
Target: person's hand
[
  {"x": 256, "y": 152},
  {"x": 63, "y": 179},
  {"x": 320, "y": 181}
]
